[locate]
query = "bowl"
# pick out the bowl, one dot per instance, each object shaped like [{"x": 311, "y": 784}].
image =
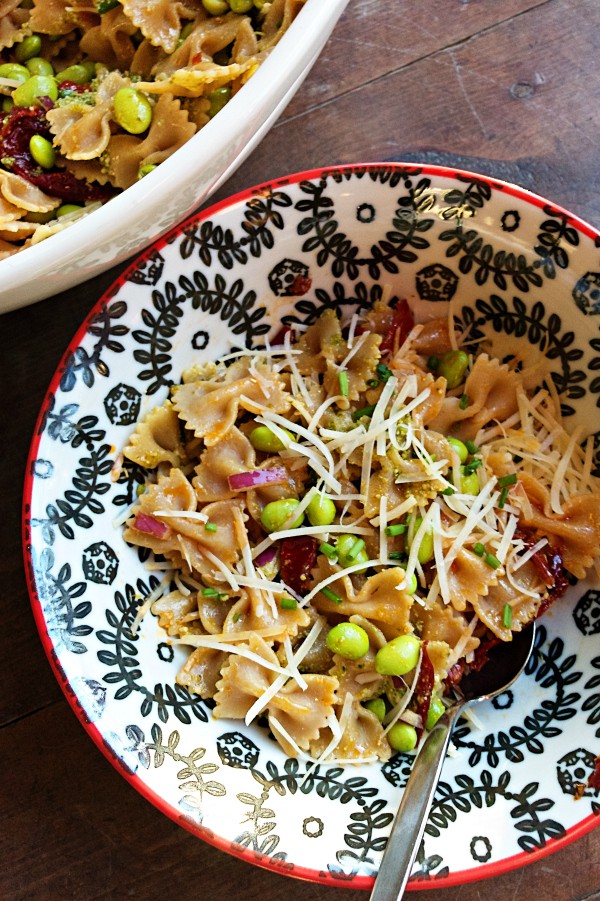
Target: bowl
[
  {"x": 514, "y": 269},
  {"x": 131, "y": 220}
]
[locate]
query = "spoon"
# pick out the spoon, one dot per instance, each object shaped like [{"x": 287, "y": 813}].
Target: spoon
[{"x": 506, "y": 662}]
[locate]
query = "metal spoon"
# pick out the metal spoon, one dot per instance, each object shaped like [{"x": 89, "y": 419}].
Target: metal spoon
[{"x": 506, "y": 662}]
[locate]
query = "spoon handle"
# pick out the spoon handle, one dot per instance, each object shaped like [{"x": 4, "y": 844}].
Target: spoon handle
[{"x": 409, "y": 825}]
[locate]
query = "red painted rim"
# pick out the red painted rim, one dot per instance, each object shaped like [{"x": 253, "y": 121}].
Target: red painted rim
[{"x": 459, "y": 877}]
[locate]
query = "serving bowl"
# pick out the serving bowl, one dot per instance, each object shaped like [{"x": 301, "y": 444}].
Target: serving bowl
[
  {"x": 130, "y": 221},
  {"x": 523, "y": 779}
]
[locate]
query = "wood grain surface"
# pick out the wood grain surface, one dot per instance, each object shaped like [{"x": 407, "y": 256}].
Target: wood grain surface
[{"x": 509, "y": 88}]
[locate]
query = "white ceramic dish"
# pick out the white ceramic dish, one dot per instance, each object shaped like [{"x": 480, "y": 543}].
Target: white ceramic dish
[
  {"x": 136, "y": 217},
  {"x": 517, "y": 268}
]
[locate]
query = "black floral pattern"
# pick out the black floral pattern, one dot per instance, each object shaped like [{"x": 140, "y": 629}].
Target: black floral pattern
[{"x": 405, "y": 231}]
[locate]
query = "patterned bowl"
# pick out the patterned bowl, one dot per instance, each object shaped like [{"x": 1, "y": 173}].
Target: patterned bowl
[{"x": 515, "y": 267}]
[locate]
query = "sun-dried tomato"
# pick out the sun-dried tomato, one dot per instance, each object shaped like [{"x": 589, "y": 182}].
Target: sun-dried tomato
[
  {"x": 549, "y": 564},
  {"x": 279, "y": 338},
  {"x": 300, "y": 285},
  {"x": 16, "y": 130},
  {"x": 298, "y": 557},
  {"x": 424, "y": 689},
  {"x": 400, "y": 326},
  {"x": 594, "y": 779}
]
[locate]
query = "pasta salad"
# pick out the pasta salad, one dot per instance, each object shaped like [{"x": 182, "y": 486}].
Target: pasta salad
[
  {"x": 95, "y": 95},
  {"x": 350, "y": 518}
]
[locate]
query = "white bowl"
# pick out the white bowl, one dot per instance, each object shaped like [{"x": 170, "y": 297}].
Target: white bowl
[
  {"x": 516, "y": 268},
  {"x": 146, "y": 210}
]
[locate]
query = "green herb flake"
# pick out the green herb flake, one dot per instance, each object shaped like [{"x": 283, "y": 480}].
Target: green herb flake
[
  {"x": 397, "y": 529},
  {"x": 364, "y": 411},
  {"x": 479, "y": 549},
  {"x": 210, "y": 527},
  {"x": 288, "y": 603},
  {"x": 331, "y": 595},
  {"x": 507, "y": 616},
  {"x": 356, "y": 548},
  {"x": 507, "y": 481},
  {"x": 343, "y": 380},
  {"x": 492, "y": 561},
  {"x": 464, "y": 402},
  {"x": 502, "y": 498},
  {"x": 471, "y": 447},
  {"x": 328, "y": 549}
]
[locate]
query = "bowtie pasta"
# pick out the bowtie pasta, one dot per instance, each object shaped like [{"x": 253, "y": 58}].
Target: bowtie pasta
[
  {"x": 94, "y": 95},
  {"x": 350, "y": 520}
]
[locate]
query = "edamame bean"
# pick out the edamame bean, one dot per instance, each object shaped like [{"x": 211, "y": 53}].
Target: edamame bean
[
  {"x": 402, "y": 737},
  {"x": 263, "y": 439},
  {"x": 347, "y": 553},
  {"x": 320, "y": 511},
  {"x": 41, "y": 218},
  {"x": 36, "y": 86},
  {"x": 425, "y": 552},
  {"x": 37, "y": 65},
  {"x": 29, "y": 46},
  {"x": 453, "y": 367},
  {"x": 398, "y": 656},
  {"x": 348, "y": 640},
  {"x": 275, "y": 514},
  {"x": 79, "y": 73},
  {"x": 459, "y": 447},
  {"x": 376, "y": 706},
  {"x": 67, "y": 208},
  {"x": 146, "y": 170},
  {"x": 412, "y": 584},
  {"x": 215, "y": 7},
  {"x": 133, "y": 111},
  {"x": 469, "y": 483},
  {"x": 42, "y": 151},
  {"x": 218, "y": 98},
  {"x": 241, "y": 6},
  {"x": 14, "y": 72},
  {"x": 436, "y": 709}
]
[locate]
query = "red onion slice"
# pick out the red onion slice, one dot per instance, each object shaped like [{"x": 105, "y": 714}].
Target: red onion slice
[
  {"x": 267, "y": 556},
  {"x": 241, "y": 481},
  {"x": 152, "y": 526}
]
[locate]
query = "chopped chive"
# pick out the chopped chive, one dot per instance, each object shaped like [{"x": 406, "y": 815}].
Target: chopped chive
[
  {"x": 383, "y": 372},
  {"x": 471, "y": 447},
  {"x": 506, "y": 481},
  {"x": 331, "y": 595},
  {"x": 328, "y": 549},
  {"x": 473, "y": 465},
  {"x": 364, "y": 411},
  {"x": 464, "y": 402},
  {"x": 343, "y": 380},
  {"x": 502, "y": 498},
  {"x": 397, "y": 529},
  {"x": 236, "y": 616},
  {"x": 210, "y": 592},
  {"x": 356, "y": 548},
  {"x": 433, "y": 362},
  {"x": 479, "y": 549},
  {"x": 397, "y": 555},
  {"x": 372, "y": 383},
  {"x": 449, "y": 491},
  {"x": 492, "y": 561},
  {"x": 507, "y": 616},
  {"x": 210, "y": 527},
  {"x": 288, "y": 603}
]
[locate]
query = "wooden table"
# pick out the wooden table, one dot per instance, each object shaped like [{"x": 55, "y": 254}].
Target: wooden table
[{"x": 507, "y": 88}]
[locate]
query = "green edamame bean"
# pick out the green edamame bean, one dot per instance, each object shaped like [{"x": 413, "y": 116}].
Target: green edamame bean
[
  {"x": 41, "y": 218},
  {"x": 402, "y": 737},
  {"x": 218, "y": 98},
  {"x": 425, "y": 552},
  {"x": 133, "y": 111},
  {"x": 146, "y": 170},
  {"x": 37, "y": 65},
  {"x": 348, "y": 640},
  {"x": 42, "y": 151},
  {"x": 453, "y": 367},
  {"x": 436, "y": 709},
  {"x": 29, "y": 46},
  {"x": 412, "y": 584},
  {"x": 469, "y": 483},
  {"x": 376, "y": 706},
  {"x": 35, "y": 87},
  {"x": 67, "y": 208},
  {"x": 241, "y": 6},
  {"x": 79, "y": 73},
  {"x": 320, "y": 511},
  {"x": 263, "y": 439},
  {"x": 347, "y": 552},
  {"x": 275, "y": 514},
  {"x": 14, "y": 72},
  {"x": 459, "y": 447},
  {"x": 398, "y": 656},
  {"x": 215, "y": 7}
]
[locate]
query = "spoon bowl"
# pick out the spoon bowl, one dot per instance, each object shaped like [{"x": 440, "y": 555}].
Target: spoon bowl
[{"x": 506, "y": 662}]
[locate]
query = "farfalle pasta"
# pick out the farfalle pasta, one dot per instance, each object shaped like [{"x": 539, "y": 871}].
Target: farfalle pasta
[
  {"x": 349, "y": 520},
  {"x": 110, "y": 89}
]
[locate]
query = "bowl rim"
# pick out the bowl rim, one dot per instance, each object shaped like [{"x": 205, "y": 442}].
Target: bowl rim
[{"x": 455, "y": 878}]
